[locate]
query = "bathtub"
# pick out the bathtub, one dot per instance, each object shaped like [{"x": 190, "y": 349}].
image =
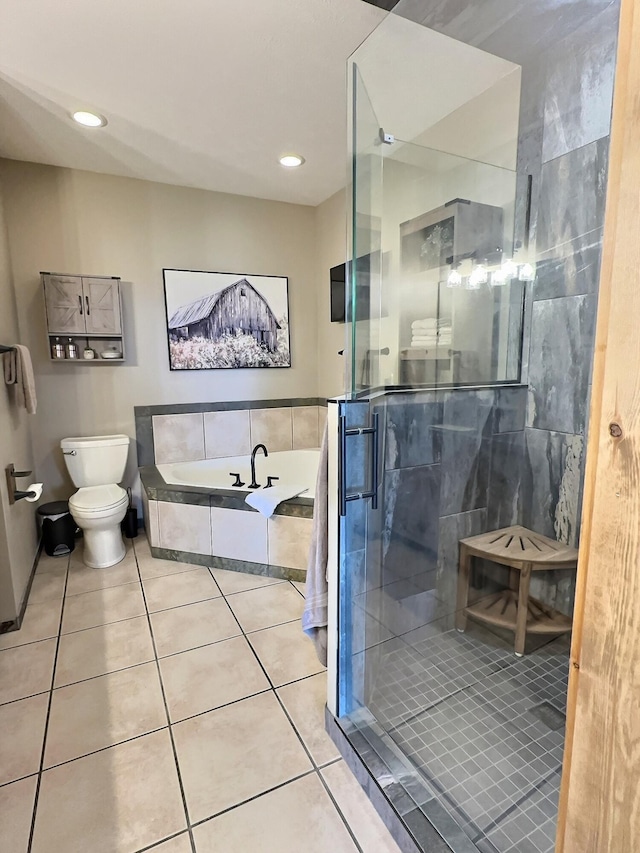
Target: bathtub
[{"x": 294, "y": 467}]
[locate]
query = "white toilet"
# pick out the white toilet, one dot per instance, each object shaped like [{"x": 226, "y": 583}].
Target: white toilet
[{"x": 96, "y": 465}]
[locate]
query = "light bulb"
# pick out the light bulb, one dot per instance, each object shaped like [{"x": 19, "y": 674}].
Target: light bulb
[
  {"x": 454, "y": 279},
  {"x": 475, "y": 280},
  {"x": 526, "y": 273},
  {"x": 89, "y": 119},
  {"x": 478, "y": 276},
  {"x": 499, "y": 277},
  {"x": 510, "y": 269}
]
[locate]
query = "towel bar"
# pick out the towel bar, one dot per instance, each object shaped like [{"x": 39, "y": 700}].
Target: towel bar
[{"x": 4, "y": 348}]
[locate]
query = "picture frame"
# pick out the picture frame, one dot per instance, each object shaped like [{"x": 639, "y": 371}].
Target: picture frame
[{"x": 226, "y": 321}]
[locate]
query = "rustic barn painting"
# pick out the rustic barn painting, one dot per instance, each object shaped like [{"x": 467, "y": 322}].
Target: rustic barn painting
[{"x": 235, "y": 320}]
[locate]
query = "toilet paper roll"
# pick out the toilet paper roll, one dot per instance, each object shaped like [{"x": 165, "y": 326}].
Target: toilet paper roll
[{"x": 37, "y": 488}]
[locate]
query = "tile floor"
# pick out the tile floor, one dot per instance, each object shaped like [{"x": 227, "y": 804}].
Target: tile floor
[
  {"x": 485, "y": 728},
  {"x": 162, "y": 706}
]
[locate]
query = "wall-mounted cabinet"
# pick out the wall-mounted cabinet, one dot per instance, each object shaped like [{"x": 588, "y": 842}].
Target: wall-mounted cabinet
[{"x": 85, "y": 311}]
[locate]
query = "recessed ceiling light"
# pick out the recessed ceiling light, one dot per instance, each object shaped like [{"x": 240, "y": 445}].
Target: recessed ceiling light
[
  {"x": 290, "y": 161},
  {"x": 88, "y": 119}
]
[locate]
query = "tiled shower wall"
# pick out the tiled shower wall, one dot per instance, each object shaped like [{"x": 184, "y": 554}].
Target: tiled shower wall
[{"x": 567, "y": 52}]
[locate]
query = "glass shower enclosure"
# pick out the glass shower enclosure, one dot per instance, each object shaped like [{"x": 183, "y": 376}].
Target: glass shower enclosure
[{"x": 464, "y": 737}]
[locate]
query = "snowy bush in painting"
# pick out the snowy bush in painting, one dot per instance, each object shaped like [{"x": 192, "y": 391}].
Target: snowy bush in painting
[{"x": 229, "y": 351}]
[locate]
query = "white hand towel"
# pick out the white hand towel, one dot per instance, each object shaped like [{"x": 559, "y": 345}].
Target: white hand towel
[{"x": 266, "y": 500}]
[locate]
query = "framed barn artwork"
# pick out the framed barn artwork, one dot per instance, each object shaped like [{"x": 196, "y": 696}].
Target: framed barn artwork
[{"x": 226, "y": 320}]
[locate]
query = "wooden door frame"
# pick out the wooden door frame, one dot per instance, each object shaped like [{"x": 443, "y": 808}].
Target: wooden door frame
[{"x": 600, "y": 794}]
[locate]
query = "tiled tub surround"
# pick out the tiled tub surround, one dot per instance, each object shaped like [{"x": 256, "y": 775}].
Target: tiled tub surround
[
  {"x": 215, "y": 527},
  {"x": 192, "y": 431}
]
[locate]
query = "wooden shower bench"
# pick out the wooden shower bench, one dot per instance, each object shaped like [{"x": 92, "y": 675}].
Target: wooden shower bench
[{"x": 524, "y": 552}]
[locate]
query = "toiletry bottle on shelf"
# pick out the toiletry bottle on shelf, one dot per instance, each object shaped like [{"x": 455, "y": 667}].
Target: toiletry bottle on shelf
[
  {"x": 57, "y": 349},
  {"x": 72, "y": 349}
]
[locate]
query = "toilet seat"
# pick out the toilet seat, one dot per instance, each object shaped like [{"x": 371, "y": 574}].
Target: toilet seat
[{"x": 98, "y": 501}]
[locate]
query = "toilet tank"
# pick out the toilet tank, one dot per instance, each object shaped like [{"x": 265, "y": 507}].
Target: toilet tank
[{"x": 95, "y": 460}]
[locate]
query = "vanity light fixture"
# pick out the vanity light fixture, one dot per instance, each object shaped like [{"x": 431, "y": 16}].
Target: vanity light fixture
[
  {"x": 88, "y": 119},
  {"x": 499, "y": 277},
  {"x": 510, "y": 269},
  {"x": 291, "y": 161}
]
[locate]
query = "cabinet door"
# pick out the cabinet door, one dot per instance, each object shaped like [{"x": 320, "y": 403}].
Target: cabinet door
[
  {"x": 65, "y": 305},
  {"x": 102, "y": 306}
]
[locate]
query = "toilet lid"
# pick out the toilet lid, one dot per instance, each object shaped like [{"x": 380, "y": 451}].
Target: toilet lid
[{"x": 97, "y": 497}]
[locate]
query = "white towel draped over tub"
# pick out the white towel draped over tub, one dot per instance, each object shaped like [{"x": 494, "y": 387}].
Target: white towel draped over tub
[
  {"x": 315, "y": 615},
  {"x": 266, "y": 500},
  {"x": 18, "y": 371}
]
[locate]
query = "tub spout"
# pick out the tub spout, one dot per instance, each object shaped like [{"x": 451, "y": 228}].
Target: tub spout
[{"x": 253, "y": 484}]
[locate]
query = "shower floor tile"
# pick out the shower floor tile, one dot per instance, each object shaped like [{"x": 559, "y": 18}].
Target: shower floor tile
[
  {"x": 129, "y": 772},
  {"x": 485, "y": 729}
]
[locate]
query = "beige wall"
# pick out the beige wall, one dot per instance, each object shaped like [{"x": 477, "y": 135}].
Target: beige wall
[
  {"x": 69, "y": 221},
  {"x": 18, "y": 541},
  {"x": 331, "y": 230}
]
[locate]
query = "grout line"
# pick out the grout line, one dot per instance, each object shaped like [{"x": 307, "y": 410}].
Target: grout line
[
  {"x": 315, "y": 767},
  {"x": 166, "y": 709},
  {"x": 48, "y": 715},
  {"x": 235, "y": 806},
  {"x": 157, "y": 844},
  {"x": 108, "y": 746}
]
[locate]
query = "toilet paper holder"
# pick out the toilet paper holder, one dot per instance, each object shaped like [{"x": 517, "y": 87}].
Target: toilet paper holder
[{"x": 12, "y": 476}]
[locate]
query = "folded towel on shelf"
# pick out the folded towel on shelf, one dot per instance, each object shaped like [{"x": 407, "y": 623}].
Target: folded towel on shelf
[
  {"x": 18, "y": 371},
  {"x": 266, "y": 500},
  {"x": 431, "y": 323},
  {"x": 316, "y": 602}
]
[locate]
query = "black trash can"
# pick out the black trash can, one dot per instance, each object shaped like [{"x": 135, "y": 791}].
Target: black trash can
[{"x": 58, "y": 528}]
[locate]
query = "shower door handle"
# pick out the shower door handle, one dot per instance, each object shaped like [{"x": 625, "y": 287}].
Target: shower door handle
[{"x": 343, "y": 434}]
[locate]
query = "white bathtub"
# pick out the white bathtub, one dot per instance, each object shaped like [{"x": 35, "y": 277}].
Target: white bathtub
[{"x": 293, "y": 467}]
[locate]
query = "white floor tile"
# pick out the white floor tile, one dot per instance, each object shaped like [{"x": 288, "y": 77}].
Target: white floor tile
[
  {"x": 103, "y": 711},
  {"x": 270, "y": 605},
  {"x": 208, "y": 677},
  {"x": 297, "y": 817},
  {"x": 115, "y": 801},
  {"x": 26, "y": 670},
  {"x": 102, "y": 606},
  {"x": 22, "y": 736},
  {"x": 16, "y": 810},
  {"x": 236, "y": 752}
]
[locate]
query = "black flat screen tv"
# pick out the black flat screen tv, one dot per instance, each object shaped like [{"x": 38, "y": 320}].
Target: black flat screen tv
[{"x": 340, "y": 311}]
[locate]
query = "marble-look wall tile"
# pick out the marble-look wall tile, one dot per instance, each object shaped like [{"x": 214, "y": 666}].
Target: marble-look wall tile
[
  {"x": 305, "y": 427},
  {"x": 579, "y": 86},
  {"x": 465, "y": 470},
  {"x": 552, "y": 482},
  {"x": 452, "y": 529},
  {"x": 410, "y": 439},
  {"x": 227, "y": 434},
  {"x": 513, "y": 29},
  {"x": 411, "y": 510},
  {"x": 239, "y": 535},
  {"x": 272, "y": 427},
  {"x": 289, "y": 541},
  {"x": 178, "y": 438},
  {"x": 562, "y": 338},
  {"x": 510, "y": 409},
  {"x": 570, "y": 221},
  {"x": 184, "y": 527},
  {"x": 504, "y": 503}
]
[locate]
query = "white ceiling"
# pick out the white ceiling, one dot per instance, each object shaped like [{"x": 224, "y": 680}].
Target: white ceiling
[
  {"x": 209, "y": 94},
  {"x": 200, "y": 93}
]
